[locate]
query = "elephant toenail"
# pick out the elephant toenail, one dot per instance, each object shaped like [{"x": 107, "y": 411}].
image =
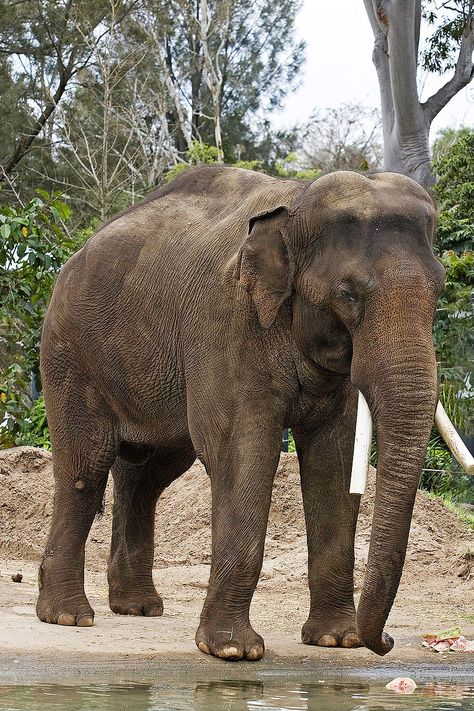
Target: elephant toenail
[
  {"x": 306, "y": 639},
  {"x": 350, "y": 641},
  {"x": 327, "y": 640},
  {"x": 204, "y": 648},
  {"x": 256, "y": 652},
  {"x": 66, "y": 619},
  {"x": 86, "y": 621},
  {"x": 230, "y": 653}
]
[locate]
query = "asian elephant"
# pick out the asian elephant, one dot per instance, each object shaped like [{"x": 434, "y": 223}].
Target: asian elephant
[{"x": 200, "y": 323}]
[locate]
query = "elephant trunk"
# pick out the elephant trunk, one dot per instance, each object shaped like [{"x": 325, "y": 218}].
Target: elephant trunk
[{"x": 400, "y": 385}]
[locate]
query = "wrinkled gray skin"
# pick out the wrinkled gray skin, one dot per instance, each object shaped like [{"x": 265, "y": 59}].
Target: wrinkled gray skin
[{"x": 200, "y": 323}]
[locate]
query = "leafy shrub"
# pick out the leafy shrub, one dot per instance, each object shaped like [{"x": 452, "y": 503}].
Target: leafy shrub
[
  {"x": 198, "y": 154},
  {"x": 33, "y": 247},
  {"x": 33, "y": 429},
  {"x": 453, "y": 330},
  {"x": 454, "y": 167}
]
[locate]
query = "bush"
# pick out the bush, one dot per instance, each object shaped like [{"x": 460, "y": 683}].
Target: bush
[
  {"x": 33, "y": 429},
  {"x": 454, "y": 167},
  {"x": 453, "y": 330},
  {"x": 33, "y": 247},
  {"x": 198, "y": 154}
]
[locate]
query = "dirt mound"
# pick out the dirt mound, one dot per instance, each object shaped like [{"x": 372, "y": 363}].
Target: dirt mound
[{"x": 438, "y": 540}]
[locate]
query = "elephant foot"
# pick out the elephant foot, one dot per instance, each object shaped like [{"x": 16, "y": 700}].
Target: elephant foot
[
  {"x": 58, "y": 608},
  {"x": 331, "y": 631},
  {"x": 229, "y": 642},
  {"x": 133, "y": 600}
]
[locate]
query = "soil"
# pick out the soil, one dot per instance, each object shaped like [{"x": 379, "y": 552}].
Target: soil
[{"x": 436, "y": 590}]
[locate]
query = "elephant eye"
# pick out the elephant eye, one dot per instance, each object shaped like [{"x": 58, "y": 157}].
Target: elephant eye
[{"x": 346, "y": 294}]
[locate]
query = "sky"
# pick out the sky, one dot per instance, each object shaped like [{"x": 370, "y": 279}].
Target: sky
[{"x": 339, "y": 69}]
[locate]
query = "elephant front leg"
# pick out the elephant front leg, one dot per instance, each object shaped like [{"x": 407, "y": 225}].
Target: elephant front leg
[
  {"x": 241, "y": 472},
  {"x": 325, "y": 455}
]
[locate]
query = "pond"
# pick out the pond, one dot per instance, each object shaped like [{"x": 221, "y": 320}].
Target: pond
[{"x": 235, "y": 695}]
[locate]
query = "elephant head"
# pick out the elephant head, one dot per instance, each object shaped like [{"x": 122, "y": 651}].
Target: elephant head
[{"x": 355, "y": 255}]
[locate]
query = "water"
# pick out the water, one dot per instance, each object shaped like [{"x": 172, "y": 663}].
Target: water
[{"x": 272, "y": 695}]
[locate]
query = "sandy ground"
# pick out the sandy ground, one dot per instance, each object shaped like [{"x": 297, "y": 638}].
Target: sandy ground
[{"x": 437, "y": 589}]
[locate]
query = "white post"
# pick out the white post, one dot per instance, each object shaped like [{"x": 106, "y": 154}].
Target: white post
[
  {"x": 450, "y": 435},
  {"x": 362, "y": 444}
]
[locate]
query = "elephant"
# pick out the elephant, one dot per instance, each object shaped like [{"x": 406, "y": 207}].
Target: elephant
[{"x": 200, "y": 323}]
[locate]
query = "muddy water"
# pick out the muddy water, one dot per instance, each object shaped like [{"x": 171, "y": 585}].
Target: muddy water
[{"x": 234, "y": 696}]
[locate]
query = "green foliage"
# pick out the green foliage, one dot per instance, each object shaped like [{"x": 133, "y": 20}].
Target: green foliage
[
  {"x": 453, "y": 330},
  {"x": 453, "y": 164},
  {"x": 441, "y": 475},
  {"x": 260, "y": 63},
  {"x": 291, "y": 442},
  {"x": 453, "y": 334},
  {"x": 448, "y": 21},
  {"x": 123, "y": 87},
  {"x": 33, "y": 429},
  {"x": 249, "y": 164},
  {"x": 175, "y": 171},
  {"x": 289, "y": 167},
  {"x": 201, "y": 153},
  {"x": 33, "y": 247},
  {"x": 198, "y": 154},
  {"x": 454, "y": 324}
]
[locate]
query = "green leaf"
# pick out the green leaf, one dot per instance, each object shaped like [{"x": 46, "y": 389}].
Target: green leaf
[
  {"x": 63, "y": 210},
  {"x": 56, "y": 213},
  {"x": 5, "y": 231}
]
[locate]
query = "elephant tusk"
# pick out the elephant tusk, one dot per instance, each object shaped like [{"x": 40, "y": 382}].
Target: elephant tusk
[
  {"x": 362, "y": 445},
  {"x": 451, "y": 436}
]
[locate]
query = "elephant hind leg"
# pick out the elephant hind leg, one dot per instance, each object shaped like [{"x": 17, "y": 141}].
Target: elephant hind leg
[
  {"x": 83, "y": 452},
  {"x": 137, "y": 487}
]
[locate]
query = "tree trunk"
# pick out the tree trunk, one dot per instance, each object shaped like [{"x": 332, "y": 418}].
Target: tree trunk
[
  {"x": 212, "y": 69},
  {"x": 406, "y": 121}
]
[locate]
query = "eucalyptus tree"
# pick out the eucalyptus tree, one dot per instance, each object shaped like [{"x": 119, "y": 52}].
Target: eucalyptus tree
[
  {"x": 406, "y": 120},
  {"x": 226, "y": 63},
  {"x": 97, "y": 131},
  {"x": 48, "y": 44}
]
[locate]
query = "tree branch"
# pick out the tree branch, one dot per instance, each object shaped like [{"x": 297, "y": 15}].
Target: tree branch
[
  {"x": 28, "y": 137},
  {"x": 463, "y": 74}
]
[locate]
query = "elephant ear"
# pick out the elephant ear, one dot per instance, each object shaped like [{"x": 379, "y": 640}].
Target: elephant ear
[{"x": 263, "y": 264}]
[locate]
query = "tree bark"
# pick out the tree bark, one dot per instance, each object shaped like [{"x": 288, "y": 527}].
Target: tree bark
[{"x": 406, "y": 121}]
